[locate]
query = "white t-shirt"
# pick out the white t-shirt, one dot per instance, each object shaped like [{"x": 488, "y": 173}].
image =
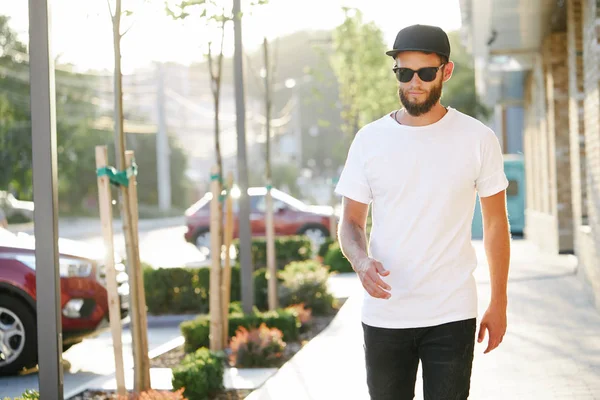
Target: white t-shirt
[{"x": 422, "y": 182}]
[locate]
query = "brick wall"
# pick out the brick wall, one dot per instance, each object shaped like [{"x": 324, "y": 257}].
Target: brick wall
[
  {"x": 576, "y": 122},
  {"x": 588, "y": 253},
  {"x": 559, "y": 143},
  {"x": 542, "y": 113}
]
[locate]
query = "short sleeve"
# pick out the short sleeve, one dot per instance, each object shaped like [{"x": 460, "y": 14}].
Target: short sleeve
[
  {"x": 491, "y": 179},
  {"x": 353, "y": 181}
]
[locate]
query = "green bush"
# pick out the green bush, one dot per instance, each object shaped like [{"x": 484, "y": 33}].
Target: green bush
[
  {"x": 287, "y": 249},
  {"x": 306, "y": 282},
  {"x": 336, "y": 260},
  {"x": 261, "y": 289},
  {"x": 17, "y": 218},
  {"x": 183, "y": 290},
  {"x": 196, "y": 332},
  {"x": 200, "y": 374},
  {"x": 29, "y": 394},
  {"x": 324, "y": 248}
]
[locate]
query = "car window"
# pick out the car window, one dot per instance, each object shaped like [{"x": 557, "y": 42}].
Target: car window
[
  {"x": 6, "y": 236},
  {"x": 261, "y": 206},
  {"x": 257, "y": 203},
  {"x": 289, "y": 201},
  {"x": 513, "y": 188}
]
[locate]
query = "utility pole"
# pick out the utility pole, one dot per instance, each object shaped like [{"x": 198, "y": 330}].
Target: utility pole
[
  {"x": 162, "y": 145},
  {"x": 270, "y": 229},
  {"x": 298, "y": 125},
  {"x": 244, "y": 214},
  {"x": 45, "y": 216}
]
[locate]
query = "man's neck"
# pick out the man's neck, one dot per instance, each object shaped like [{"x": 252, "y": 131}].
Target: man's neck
[{"x": 436, "y": 113}]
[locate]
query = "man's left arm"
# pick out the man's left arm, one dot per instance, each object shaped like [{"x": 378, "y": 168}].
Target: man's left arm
[{"x": 496, "y": 238}]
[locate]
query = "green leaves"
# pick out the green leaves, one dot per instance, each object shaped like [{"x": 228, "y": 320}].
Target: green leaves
[{"x": 366, "y": 83}]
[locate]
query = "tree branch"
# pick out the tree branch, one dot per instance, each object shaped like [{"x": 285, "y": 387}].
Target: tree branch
[
  {"x": 213, "y": 77},
  {"x": 110, "y": 9},
  {"x": 128, "y": 29}
]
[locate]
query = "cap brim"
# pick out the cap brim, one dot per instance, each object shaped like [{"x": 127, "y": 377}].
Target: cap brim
[{"x": 394, "y": 53}]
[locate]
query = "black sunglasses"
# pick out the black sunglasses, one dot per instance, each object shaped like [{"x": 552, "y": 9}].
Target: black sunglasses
[{"x": 426, "y": 74}]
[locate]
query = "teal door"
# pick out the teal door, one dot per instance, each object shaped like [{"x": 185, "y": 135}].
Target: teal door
[{"x": 515, "y": 197}]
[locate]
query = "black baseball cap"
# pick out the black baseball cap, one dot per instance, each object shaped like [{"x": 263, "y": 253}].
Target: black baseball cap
[{"x": 425, "y": 38}]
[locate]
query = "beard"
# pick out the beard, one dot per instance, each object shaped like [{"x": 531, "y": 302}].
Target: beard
[{"x": 417, "y": 109}]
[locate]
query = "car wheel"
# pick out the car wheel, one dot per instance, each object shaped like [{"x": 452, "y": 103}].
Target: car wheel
[
  {"x": 317, "y": 234},
  {"x": 18, "y": 336},
  {"x": 202, "y": 240}
]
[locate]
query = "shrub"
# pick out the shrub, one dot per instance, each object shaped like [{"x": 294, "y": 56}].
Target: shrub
[
  {"x": 261, "y": 289},
  {"x": 336, "y": 260},
  {"x": 324, "y": 248},
  {"x": 306, "y": 282},
  {"x": 196, "y": 332},
  {"x": 287, "y": 249},
  {"x": 235, "y": 307},
  {"x": 258, "y": 347},
  {"x": 200, "y": 374},
  {"x": 29, "y": 394},
  {"x": 303, "y": 314}
]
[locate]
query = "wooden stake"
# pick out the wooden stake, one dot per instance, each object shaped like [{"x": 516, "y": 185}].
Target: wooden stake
[
  {"x": 114, "y": 308},
  {"x": 140, "y": 335},
  {"x": 332, "y": 218},
  {"x": 216, "y": 312},
  {"x": 226, "y": 281}
]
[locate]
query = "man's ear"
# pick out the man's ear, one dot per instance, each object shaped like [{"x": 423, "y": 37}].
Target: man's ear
[{"x": 448, "y": 69}]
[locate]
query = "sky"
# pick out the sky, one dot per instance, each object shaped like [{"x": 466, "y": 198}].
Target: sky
[{"x": 82, "y": 31}]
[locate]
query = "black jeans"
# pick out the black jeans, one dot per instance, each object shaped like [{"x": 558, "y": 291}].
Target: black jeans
[{"x": 446, "y": 353}]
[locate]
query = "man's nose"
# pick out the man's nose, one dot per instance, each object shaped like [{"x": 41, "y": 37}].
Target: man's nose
[{"x": 416, "y": 80}]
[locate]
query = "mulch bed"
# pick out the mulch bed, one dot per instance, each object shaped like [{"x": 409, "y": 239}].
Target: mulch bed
[
  {"x": 111, "y": 395},
  {"x": 174, "y": 357}
]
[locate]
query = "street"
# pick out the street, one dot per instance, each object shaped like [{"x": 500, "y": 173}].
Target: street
[{"x": 161, "y": 247}]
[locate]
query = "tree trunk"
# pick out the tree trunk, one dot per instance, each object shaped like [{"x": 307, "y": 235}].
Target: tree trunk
[{"x": 141, "y": 368}]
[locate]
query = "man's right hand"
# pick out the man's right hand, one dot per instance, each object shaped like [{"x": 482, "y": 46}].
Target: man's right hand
[{"x": 369, "y": 271}]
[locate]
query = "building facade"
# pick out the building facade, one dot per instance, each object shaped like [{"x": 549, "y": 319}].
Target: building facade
[{"x": 555, "y": 45}]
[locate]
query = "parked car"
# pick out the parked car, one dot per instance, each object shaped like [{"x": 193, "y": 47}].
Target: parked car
[
  {"x": 514, "y": 168},
  {"x": 291, "y": 217},
  {"x": 84, "y": 298},
  {"x": 14, "y": 208}
]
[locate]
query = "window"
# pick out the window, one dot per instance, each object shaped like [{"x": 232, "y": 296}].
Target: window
[{"x": 259, "y": 204}]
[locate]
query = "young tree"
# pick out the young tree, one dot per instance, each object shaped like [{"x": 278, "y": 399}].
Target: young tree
[
  {"x": 366, "y": 83},
  {"x": 138, "y": 309},
  {"x": 215, "y": 15},
  {"x": 459, "y": 92}
]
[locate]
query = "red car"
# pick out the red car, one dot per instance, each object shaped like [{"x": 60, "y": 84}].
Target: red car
[
  {"x": 291, "y": 217},
  {"x": 84, "y": 302}
]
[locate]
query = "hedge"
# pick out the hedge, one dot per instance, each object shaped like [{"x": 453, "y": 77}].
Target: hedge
[
  {"x": 336, "y": 260},
  {"x": 287, "y": 250}
]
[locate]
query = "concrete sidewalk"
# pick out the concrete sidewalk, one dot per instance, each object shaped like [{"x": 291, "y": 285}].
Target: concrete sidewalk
[{"x": 551, "y": 349}]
